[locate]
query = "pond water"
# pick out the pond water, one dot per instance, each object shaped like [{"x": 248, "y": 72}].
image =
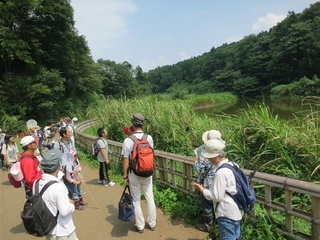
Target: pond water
[{"x": 285, "y": 109}]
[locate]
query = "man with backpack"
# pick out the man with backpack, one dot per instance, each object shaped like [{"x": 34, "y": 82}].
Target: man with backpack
[
  {"x": 227, "y": 212},
  {"x": 56, "y": 197},
  {"x": 137, "y": 172}
]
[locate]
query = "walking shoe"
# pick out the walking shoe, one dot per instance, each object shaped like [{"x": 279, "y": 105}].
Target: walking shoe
[
  {"x": 110, "y": 184},
  {"x": 78, "y": 205},
  {"x": 100, "y": 181},
  {"x": 153, "y": 228},
  {"x": 140, "y": 231},
  {"x": 203, "y": 227},
  {"x": 82, "y": 203}
]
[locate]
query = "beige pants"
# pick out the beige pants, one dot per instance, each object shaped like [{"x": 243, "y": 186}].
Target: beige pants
[{"x": 72, "y": 236}]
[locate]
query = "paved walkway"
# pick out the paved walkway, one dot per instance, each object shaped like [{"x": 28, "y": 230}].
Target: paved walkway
[{"x": 94, "y": 223}]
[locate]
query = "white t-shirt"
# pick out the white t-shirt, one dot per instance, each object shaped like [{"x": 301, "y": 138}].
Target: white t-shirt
[
  {"x": 11, "y": 150},
  {"x": 102, "y": 143}
]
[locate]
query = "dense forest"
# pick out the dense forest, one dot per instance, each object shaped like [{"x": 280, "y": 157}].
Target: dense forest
[
  {"x": 258, "y": 64},
  {"x": 46, "y": 69}
]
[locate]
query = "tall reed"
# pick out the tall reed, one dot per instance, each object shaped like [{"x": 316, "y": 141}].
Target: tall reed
[{"x": 255, "y": 138}]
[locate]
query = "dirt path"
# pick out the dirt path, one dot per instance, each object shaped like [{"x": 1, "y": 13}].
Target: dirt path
[{"x": 93, "y": 223}]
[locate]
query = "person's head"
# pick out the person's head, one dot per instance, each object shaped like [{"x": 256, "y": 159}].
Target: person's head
[
  {"x": 61, "y": 119},
  {"x": 102, "y": 132},
  {"x": 213, "y": 151},
  {"x": 212, "y": 134},
  {"x": 50, "y": 122},
  {"x": 137, "y": 120},
  {"x": 65, "y": 132},
  {"x": 67, "y": 120},
  {"x": 29, "y": 143},
  {"x": 50, "y": 162},
  {"x": 8, "y": 138}
]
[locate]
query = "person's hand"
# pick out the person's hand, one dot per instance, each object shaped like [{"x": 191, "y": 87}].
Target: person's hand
[
  {"x": 198, "y": 185},
  {"x": 71, "y": 201},
  {"x": 126, "y": 181}
]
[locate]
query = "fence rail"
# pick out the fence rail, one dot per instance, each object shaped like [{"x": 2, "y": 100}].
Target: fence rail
[{"x": 176, "y": 171}]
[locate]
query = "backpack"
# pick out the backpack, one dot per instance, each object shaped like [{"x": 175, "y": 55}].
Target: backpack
[
  {"x": 15, "y": 174},
  {"x": 245, "y": 196},
  {"x": 95, "y": 147},
  {"x": 36, "y": 217},
  {"x": 142, "y": 157}
]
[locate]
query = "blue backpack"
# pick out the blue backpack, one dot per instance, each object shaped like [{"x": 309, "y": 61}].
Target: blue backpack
[{"x": 245, "y": 196}]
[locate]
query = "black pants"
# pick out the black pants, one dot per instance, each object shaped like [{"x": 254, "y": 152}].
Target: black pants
[{"x": 103, "y": 171}]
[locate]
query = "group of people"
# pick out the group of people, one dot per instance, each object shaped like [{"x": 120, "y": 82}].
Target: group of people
[
  {"x": 216, "y": 187},
  {"x": 61, "y": 161}
]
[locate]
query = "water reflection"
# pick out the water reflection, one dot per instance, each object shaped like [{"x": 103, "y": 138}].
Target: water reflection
[{"x": 285, "y": 109}]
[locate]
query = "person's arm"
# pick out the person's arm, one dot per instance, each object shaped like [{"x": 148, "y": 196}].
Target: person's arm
[
  {"x": 125, "y": 166},
  {"x": 105, "y": 155},
  {"x": 64, "y": 205}
]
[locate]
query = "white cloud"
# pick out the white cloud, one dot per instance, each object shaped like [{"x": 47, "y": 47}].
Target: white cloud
[
  {"x": 158, "y": 62},
  {"x": 234, "y": 38},
  {"x": 184, "y": 56},
  {"x": 265, "y": 23},
  {"x": 102, "y": 22}
]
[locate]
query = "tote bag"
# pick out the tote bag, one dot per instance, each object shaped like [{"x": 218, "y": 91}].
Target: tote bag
[{"x": 126, "y": 208}]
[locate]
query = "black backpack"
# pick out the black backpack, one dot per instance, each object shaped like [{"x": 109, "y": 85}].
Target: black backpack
[{"x": 36, "y": 217}]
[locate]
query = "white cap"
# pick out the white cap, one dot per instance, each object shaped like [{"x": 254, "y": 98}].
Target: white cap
[
  {"x": 212, "y": 134},
  {"x": 27, "y": 140},
  {"x": 213, "y": 148},
  {"x": 74, "y": 119}
]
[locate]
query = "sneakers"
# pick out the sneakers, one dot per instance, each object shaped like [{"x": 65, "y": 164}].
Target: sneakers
[
  {"x": 203, "y": 227},
  {"x": 140, "y": 231},
  {"x": 153, "y": 228},
  {"x": 78, "y": 205},
  {"x": 82, "y": 203},
  {"x": 110, "y": 184}
]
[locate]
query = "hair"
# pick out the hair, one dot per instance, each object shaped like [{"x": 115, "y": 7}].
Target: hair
[
  {"x": 63, "y": 130},
  {"x": 101, "y": 131},
  {"x": 49, "y": 122},
  {"x": 7, "y": 137},
  {"x": 222, "y": 154}
]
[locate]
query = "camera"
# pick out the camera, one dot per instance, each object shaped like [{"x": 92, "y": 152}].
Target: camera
[{"x": 55, "y": 127}]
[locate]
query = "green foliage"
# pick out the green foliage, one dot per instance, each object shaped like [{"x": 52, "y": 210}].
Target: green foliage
[
  {"x": 11, "y": 124},
  {"x": 44, "y": 61},
  {"x": 264, "y": 226},
  {"x": 177, "y": 205},
  {"x": 302, "y": 88}
]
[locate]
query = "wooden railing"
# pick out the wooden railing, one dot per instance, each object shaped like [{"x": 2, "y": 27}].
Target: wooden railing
[{"x": 176, "y": 171}]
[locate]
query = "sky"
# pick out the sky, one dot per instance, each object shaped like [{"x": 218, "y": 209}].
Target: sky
[{"x": 152, "y": 33}]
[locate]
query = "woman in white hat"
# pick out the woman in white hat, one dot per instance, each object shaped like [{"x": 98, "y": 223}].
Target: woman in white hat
[{"x": 206, "y": 173}]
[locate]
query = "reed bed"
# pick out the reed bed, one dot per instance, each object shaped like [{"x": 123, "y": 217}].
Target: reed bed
[{"x": 255, "y": 138}]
